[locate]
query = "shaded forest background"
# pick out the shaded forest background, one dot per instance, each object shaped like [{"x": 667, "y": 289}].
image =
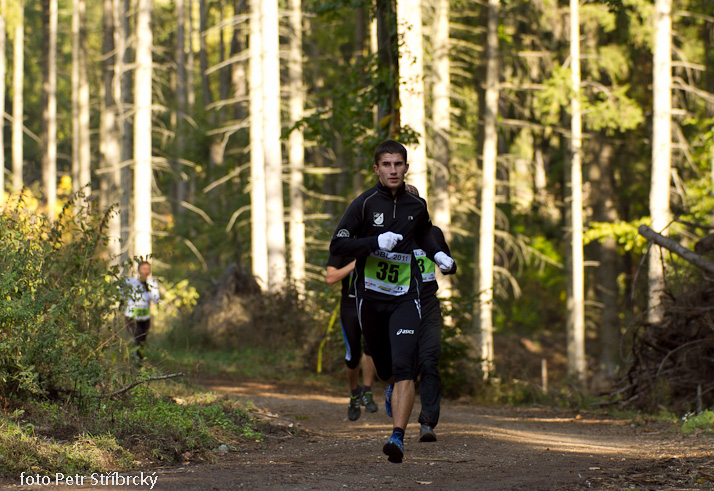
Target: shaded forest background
[{"x": 201, "y": 204}]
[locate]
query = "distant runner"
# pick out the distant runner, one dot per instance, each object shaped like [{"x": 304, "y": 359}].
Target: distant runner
[
  {"x": 140, "y": 293},
  {"x": 340, "y": 269},
  {"x": 381, "y": 228}
]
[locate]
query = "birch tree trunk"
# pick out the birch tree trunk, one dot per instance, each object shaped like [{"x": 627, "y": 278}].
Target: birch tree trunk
[
  {"x": 576, "y": 302},
  {"x": 18, "y": 71},
  {"x": 81, "y": 158},
  {"x": 49, "y": 106},
  {"x": 411, "y": 87},
  {"x": 661, "y": 150},
  {"x": 190, "y": 95},
  {"x": 123, "y": 97},
  {"x": 3, "y": 71},
  {"x": 441, "y": 113},
  {"x": 259, "y": 235},
  {"x": 488, "y": 194},
  {"x": 272, "y": 147},
  {"x": 109, "y": 147},
  {"x": 142, "y": 131},
  {"x": 296, "y": 149},
  {"x": 203, "y": 52}
]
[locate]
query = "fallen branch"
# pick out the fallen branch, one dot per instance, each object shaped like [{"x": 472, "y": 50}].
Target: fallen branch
[
  {"x": 674, "y": 246},
  {"x": 138, "y": 382},
  {"x": 123, "y": 390}
]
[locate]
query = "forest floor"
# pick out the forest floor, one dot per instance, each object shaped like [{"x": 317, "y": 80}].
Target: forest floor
[{"x": 310, "y": 444}]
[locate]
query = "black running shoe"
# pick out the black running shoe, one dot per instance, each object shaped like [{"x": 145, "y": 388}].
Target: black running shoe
[
  {"x": 426, "y": 434},
  {"x": 367, "y": 401},
  {"x": 353, "y": 410}
]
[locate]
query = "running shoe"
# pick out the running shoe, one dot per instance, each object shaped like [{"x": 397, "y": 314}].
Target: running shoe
[
  {"x": 353, "y": 410},
  {"x": 426, "y": 434},
  {"x": 394, "y": 449},
  {"x": 367, "y": 401},
  {"x": 388, "y": 399}
]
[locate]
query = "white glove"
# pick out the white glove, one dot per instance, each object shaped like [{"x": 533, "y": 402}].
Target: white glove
[
  {"x": 388, "y": 240},
  {"x": 444, "y": 262}
]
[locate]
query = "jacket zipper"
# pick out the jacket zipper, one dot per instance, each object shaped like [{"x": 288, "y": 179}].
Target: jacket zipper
[{"x": 394, "y": 213}]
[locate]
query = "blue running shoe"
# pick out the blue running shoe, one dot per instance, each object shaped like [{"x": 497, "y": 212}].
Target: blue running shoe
[
  {"x": 394, "y": 449},
  {"x": 388, "y": 399}
]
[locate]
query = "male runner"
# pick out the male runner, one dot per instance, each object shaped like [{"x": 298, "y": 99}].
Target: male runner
[
  {"x": 430, "y": 338},
  {"x": 381, "y": 228},
  {"x": 340, "y": 269},
  {"x": 140, "y": 293}
]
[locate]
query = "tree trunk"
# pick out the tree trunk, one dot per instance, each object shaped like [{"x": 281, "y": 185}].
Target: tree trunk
[
  {"x": 18, "y": 71},
  {"x": 272, "y": 146},
  {"x": 238, "y": 72},
  {"x": 142, "y": 131},
  {"x": 75, "y": 97},
  {"x": 203, "y": 52},
  {"x": 387, "y": 115},
  {"x": 190, "y": 95},
  {"x": 661, "y": 150},
  {"x": 259, "y": 235},
  {"x": 84, "y": 151},
  {"x": 49, "y": 106},
  {"x": 576, "y": 302},
  {"x": 296, "y": 149},
  {"x": 3, "y": 70},
  {"x": 411, "y": 88},
  {"x": 488, "y": 194},
  {"x": 606, "y": 211},
  {"x": 181, "y": 102},
  {"x": 123, "y": 98},
  {"x": 109, "y": 147},
  {"x": 440, "y": 205}
]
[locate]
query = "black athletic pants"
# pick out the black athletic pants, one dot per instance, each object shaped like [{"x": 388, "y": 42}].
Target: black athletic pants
[
  {"x": 138, "y": 330},
  {"x": 391, "y": 330},
  {"x": 352, "y": 333},
  {"x": 429, "y": 353}
]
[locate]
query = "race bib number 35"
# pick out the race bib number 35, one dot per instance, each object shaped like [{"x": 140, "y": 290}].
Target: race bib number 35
[{"x": 388, "y": 272}]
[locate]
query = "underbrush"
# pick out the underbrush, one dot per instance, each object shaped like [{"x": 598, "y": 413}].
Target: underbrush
[{"x": 167, "y": 423}]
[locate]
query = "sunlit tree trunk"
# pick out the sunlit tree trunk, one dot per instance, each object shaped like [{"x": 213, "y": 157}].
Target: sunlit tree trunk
[
  {"x": 190, "y": 94},
  {"x": 259, "y": 236},
  {"x": 142, "y": 130},
  {"x": 488, "y": 194},
  {"x": 296, "y": 149},
  {"x": 272, "y": 146},
  {"x": 3, "y": 70},
  {"x": 440, "y": 206},
  {"x": 81, "y": 158},
  {"x": 411, "y": 87},
  {"x": 109, "y": 130},
  {"x": 203, "y": 51},
  {"x": 123, "y": 84},
  {"x": 576, "y": 302},
  {"x": 18, "y": 71},
  {"x": 661, "y": 150},
  {"x": 387, "y": 56},
  {"x": 49, "y": 106}
]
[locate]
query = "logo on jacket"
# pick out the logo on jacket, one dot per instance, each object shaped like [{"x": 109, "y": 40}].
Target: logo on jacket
[
  {"x": 343, "y": 232},
  {"x": 405, "y": 331},
  {"x": 378, "y": 218}
]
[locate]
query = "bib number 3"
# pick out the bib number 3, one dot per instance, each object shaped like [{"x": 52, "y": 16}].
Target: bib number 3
[{"x": 388, "y": 272}]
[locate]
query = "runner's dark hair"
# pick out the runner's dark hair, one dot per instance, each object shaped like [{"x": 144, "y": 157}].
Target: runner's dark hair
[
  {"x": 141, "y": 263},
  {"x": 389, "y": 146}
]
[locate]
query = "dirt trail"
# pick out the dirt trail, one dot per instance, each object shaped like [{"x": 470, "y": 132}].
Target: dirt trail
[{"x": 312, "y": 445}]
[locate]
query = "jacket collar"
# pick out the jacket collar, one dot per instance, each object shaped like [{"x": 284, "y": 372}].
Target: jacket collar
[{"x": 388, "y": 192}]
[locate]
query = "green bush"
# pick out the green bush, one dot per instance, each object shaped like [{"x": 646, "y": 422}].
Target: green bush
[{"x": 57, "y": 295}]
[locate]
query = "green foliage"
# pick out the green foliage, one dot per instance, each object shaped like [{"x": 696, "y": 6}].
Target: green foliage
[
  {"x": 702, "y": 421},
  {"x": 625, "y": 233},
  {"x": 100, "y": 435},
  {"x": 56, "y": 298},
  {"x": 612, "y": 110}
]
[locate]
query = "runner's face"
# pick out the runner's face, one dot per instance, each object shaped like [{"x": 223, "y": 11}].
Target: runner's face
[
  {"x": 391, "y": 170},
  {"x": 145, "y": 270}
]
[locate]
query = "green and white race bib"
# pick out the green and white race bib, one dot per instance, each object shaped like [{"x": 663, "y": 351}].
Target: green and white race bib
[
  {"x": 140, "y": 312},
  {"x": 426, "y": 266},
  {"x": 388, "y": 272}
]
